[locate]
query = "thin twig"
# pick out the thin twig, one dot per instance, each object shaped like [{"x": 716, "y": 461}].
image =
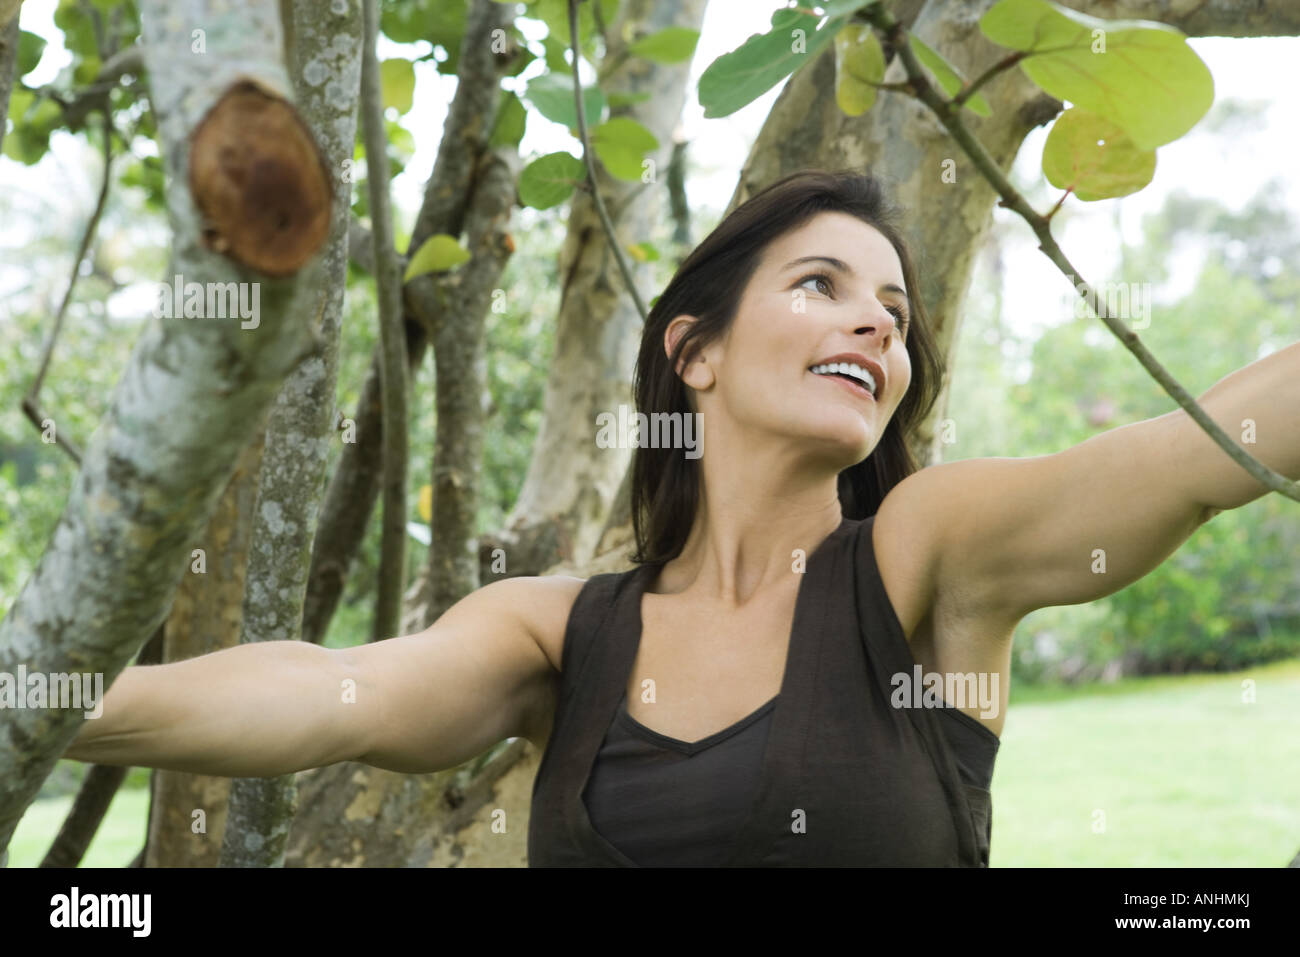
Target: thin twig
[
  {"x": 392, "y": 342},
  {"x": 591, "y": 166},
  {"x": 972, "y": 88},
  {"x": 1059, "y": 203},
  {"x": 38, "y": 418},
  {"x": 31, "y": 407},
  {"x": 949, "y": 114}
]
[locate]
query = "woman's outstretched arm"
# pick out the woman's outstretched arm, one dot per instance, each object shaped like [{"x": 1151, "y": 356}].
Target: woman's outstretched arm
[
  {"x": 417, "y": 703},
  {"x": 1011, "y": 535},
  {"x": 255, "y": 710}
]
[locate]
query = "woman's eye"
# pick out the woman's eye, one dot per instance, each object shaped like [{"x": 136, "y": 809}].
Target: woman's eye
[{"x": 819, "y": 278}]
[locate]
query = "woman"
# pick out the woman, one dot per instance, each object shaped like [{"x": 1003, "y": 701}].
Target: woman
[{"x": 750, "y": 693}]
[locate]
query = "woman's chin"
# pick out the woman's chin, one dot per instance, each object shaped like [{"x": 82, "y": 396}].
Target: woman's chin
[{"x": 847, "y": 446}]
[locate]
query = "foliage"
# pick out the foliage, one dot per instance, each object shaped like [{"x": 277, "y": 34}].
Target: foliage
[{"x": 1136, "y": 81}]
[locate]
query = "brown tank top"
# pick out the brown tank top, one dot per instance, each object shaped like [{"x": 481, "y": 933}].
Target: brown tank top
[{"x": 827, "y": 773}]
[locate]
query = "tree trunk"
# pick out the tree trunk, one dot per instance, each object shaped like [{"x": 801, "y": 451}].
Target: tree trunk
[
  {"x": 460, "y": 361},
  {"x": 350, "y": 496},
  {"x": 359, "y": 816},
  {"x": 205, "y": 617},
  {"x": 299, "y": 428},
  {"x": 194, "y": 388}
]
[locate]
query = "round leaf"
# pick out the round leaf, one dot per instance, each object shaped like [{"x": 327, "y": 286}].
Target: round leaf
[
  {"x": 436, "y": 254},
  {"x": 859, "y": 65},
  {"x": 548, "y": 181},
  {"x": 1094, "y": 157},
  {"x": 1139, "y": 74}
]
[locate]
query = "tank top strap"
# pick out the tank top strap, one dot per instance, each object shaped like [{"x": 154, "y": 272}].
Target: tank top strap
[
  {"x": 889, "y": 654},
  {"x": 590, "y": 631}
]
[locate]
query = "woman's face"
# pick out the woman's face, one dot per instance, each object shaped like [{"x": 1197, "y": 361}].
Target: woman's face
[{"x": 831, "y": 291}]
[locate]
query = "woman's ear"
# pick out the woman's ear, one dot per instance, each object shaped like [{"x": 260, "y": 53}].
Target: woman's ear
[{"x": 696, "y": 373}]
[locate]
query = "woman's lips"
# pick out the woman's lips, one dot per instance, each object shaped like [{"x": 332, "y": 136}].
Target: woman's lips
[{"x": 854, "y": 387}]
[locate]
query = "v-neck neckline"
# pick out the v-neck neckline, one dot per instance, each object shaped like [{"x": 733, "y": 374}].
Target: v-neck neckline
[{"x": 787, "y": 724}]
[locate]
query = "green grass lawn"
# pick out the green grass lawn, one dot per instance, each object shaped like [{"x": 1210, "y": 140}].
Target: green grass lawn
[
  {"x": 116, "y": 844},
  {"x": 1185, "y": 773}
]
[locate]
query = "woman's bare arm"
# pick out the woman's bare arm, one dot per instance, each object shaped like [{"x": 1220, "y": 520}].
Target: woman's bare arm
[
  {"x": 256, "y": 710},
  {"x": 417, "y": 703}
]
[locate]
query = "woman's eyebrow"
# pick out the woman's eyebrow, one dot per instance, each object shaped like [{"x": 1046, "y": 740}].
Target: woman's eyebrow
[
  {"x": 843, "y": 267},
  {"x": 834, "y": 263}
]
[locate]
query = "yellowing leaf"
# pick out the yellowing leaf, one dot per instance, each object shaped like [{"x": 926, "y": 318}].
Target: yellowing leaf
[
  {"x": 397, "y": 83},
  {"x": 1094, "y": 157},
  {"x": 426, "y": 502},
  {"x": 437, "y": 253},
  {"x": 859, "y": 65}
]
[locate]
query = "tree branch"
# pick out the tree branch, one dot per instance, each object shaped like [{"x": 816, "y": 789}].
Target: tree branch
[
  {"x": 87, "y": 235},
  {"x": 949, "y": 114},
  {"x": 591, "y": 166},
  {"x": 30, "y": 405},
  {"x": 392, "y": 343}
]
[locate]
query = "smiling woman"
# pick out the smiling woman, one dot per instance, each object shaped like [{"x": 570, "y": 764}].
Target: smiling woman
[{"x": 728, "y": 702}]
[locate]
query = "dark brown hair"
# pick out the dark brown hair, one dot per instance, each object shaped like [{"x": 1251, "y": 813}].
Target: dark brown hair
[{"x": 708, "y": 285}]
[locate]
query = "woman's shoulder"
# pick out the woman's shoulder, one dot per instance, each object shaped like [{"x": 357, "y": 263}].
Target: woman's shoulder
[{"x": 543, "y": 603}]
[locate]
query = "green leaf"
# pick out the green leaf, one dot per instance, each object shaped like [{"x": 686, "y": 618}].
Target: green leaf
[
  {"x": 616, "y": 99},
  {"x": 835, "y": 8},
  {"x": 78, "y": 34},
  {"x": 621, "y": 145},
  {"x": 552, "y": 96},
  {"x": 397, "y": 81},
  {"x": 31, "y": 135},
  {"x": 738, "y": 78},
  {"x": 512, "y": 120},
  {"x": 1094, "y": 157},
  {"x": 30, "y": 48},
  {"x": 672, "y": 45},
  {"x": 549, "y": 181},
  {"x": 859, "y": 64},
  {"x": 436, "y": 254},
  {"x": 1138, "y": 74},
  {"x": 555, "y": 61},
  {"x": 946, "y": 75},
  {"x": 19, "y": 102}
]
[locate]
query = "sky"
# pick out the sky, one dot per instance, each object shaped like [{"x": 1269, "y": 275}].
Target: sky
[{"x": 1230, "y": 169}]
